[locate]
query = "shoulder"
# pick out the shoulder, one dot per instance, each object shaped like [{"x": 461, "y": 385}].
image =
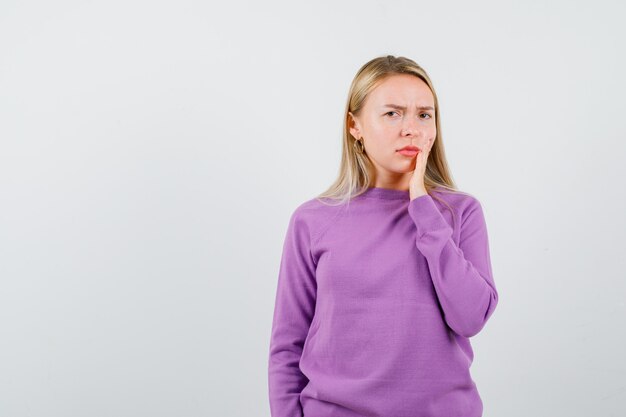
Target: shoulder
[
  {"x": 313, "y": 216},
  {"x": 463, "y": 203}
]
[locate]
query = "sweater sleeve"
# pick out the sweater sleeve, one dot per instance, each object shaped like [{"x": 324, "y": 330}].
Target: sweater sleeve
[
  {"x": 293, "y": 313},
  {"x": 461, "y": 274}
]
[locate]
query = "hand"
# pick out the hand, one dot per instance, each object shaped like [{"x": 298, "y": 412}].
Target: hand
[{"x": 416, "y": 184}]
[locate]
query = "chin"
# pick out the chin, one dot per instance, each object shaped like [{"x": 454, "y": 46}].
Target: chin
[
  {"x": 407, "y": 166},
  {"x": 402, "y": 169}
]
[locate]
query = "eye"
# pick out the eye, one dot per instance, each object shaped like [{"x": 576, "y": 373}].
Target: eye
[
  {"x": 390, "y": 112},
  {"x": 427, "y": 114}
]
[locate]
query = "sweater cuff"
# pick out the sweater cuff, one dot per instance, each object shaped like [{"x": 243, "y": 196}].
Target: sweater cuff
[{"x": 426, "y": 215}]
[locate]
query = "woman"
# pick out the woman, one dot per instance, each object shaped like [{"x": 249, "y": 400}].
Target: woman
[{"x": 386, "y": 275}]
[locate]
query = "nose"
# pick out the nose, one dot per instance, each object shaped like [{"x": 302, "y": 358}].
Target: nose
[{"x": 410, "y": 126}]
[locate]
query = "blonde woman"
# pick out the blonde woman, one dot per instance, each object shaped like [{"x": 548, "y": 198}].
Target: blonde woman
[{"x": 386, "y": 275}]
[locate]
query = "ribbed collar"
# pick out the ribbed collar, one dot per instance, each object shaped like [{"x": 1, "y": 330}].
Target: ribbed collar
[
  {"x": 386, "y": 193},
  {"x": 390, "y": 194}
]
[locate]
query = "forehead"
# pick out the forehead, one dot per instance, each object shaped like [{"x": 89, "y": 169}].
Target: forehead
[{"x": 402, "y": 89}]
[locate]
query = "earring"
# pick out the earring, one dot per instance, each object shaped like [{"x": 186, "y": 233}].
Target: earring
[{"x": 359, "y": 146}]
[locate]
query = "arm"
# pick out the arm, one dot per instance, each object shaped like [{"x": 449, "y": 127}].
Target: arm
[
  {"x": 293, "y": 312},
  {"x": 461, "y": 274}
]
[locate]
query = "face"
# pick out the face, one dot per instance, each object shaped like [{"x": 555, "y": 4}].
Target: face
[{"x": 396, "y": 113}]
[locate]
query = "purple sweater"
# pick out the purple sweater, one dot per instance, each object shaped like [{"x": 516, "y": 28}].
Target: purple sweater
[{"x": 375, "y": 304}]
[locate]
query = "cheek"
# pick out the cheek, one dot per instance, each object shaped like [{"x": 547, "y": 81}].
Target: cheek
[
  {"x": 378, "y": 129},
  {"x": 381, "y": 137}
]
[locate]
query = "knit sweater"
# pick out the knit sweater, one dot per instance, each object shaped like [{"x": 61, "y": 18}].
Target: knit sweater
[{"x": 375, "y": 303}]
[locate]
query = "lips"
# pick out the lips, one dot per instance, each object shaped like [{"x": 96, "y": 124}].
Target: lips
[{"x": 410, "y": 148}]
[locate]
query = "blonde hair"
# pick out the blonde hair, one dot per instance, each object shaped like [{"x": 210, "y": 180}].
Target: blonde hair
[{"x": 354, "y": 172}]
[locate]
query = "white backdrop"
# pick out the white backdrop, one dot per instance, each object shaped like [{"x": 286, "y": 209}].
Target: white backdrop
[{"x": 152, "y": 152}]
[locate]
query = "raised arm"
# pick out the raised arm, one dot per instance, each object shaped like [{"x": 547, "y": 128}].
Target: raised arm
[
  {"x": 461, "y": 274},
  {"x": 293, "y": 313}
]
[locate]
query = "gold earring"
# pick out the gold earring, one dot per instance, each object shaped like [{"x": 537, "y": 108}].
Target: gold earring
[{"x": 359, "y": 146}]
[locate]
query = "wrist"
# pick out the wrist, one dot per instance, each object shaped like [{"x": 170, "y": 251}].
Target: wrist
[{"x": 417, "y": 193}]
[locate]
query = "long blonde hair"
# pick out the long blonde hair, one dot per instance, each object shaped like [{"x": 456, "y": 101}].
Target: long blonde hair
[{"x": 354, "y": 172}]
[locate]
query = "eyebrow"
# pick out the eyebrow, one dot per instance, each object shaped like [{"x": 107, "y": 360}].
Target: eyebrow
[{"x": 395, "y": 106}]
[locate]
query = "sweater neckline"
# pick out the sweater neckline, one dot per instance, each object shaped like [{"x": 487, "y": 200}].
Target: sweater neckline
[{"x": 386, "y": 193}]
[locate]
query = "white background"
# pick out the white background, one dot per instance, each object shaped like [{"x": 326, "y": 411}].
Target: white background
[{"x": 152, "y": 152}]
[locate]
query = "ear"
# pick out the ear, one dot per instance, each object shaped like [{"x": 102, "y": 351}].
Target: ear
[{"x": 353, "y": 125}]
